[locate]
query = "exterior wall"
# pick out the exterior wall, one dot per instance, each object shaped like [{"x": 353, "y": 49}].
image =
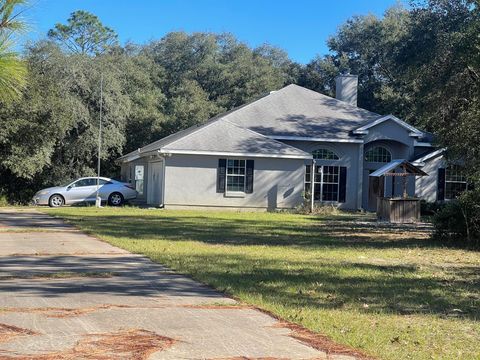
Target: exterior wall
[
  {"x": 426, "y": 186},
  {"x": 349, "y": 154},
  {"x": 191, "y": 180},
  {"x": 390, "y": 130}
]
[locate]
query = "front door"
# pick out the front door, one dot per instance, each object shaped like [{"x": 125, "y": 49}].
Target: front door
[
  {"x": 155, "y": 183},
  {"x": 375, "y": 190},
  {"x": 372, "y": 193}
]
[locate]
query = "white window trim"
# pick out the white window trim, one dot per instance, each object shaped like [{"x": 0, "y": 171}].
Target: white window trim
[
  {"x": 452, "y": 182},
  {"x": 313, "y": 182},
  {"x": 327, "y": 149},
  {"x": 236, "y": 193},
  {"x": 377, "y": 162}
]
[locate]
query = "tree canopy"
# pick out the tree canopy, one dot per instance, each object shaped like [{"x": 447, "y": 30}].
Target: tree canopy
[{"x": 84, "y": 34}]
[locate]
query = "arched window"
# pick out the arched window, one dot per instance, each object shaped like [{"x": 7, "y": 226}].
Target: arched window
[
  {"x": 324, "y": 154},
  {"x": 378, "y": 154}
]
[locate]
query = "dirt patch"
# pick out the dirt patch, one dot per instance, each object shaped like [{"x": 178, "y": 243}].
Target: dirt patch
[
  {"x": 64, "y": 312},
  {"x": 135, "y": 344},
  {"x": 250, "y": 358},
  {"x": 54, "y": 312},
  {"x": 218, "y": 306},
  {"x": 8, "y": 332},
  {"x": 321, "y": 342}
]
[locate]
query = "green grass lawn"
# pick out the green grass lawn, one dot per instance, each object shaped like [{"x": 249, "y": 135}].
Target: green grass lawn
[{"x": 390, "y": 292}]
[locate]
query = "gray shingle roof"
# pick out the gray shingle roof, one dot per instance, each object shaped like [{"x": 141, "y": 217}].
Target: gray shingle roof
[
  {"x": 290, "y": 111},
  {"x": 224, "y": 136},
  {"x": 297, "y": 111}
]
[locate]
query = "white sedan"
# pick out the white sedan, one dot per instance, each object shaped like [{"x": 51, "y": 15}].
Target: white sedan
[{"x": 114, "y": 192}]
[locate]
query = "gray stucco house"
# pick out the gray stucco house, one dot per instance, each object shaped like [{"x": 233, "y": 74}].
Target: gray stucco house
[{"x": 260, "y": 156}]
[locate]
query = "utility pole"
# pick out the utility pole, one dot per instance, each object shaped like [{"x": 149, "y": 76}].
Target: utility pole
[{"x": 98, "y": 199}]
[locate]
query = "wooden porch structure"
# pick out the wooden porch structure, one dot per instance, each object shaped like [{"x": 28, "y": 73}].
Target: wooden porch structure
[{"x": 403, "y": 209}]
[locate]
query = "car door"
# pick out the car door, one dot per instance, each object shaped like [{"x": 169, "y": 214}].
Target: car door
[
  {"x": 104, "y": 189},
  {"x": 82, "y": 190}
]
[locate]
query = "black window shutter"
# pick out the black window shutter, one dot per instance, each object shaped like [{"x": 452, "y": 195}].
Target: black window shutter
[
  {"x": 249, "y": 177},
  {"x": 342, "y": 191},
  {"x": 441, "y": 184},
  {"x": 221, "y": 175}
]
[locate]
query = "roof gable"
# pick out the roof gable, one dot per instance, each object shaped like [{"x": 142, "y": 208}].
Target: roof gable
[
  {"x": 362, "y": 130},
  {"x": 389, "y": 169},
  {"x": 427, "y": 157}
]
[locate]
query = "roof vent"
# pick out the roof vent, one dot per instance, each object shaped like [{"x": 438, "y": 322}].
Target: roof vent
[{"x": 346, "y": 86}]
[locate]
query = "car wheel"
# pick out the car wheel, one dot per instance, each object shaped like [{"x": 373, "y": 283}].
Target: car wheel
[
  {"x": 56, "y": 200},
  {"x": 115, "y": 199}
]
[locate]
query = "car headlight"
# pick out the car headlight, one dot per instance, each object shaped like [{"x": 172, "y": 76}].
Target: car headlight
[{"x": 42, "y": 192}]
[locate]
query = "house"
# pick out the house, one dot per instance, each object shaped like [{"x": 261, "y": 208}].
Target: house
[{"x": 268, "y": 153}]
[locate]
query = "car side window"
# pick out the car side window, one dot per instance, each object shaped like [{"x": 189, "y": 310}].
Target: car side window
[
  {"x": 84, "y": 182},
  {"x": 79, "y": 183},
  {"x": 92, "y": 182},
  {"x": 103, "y": 182}
]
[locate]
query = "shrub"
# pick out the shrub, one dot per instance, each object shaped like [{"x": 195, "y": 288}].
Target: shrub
[
  {"x": 459, "y": 221},
  {"x": 318, "y": 209},
  {"x": 429, "y": 208},
  {"x": 3, "y": 200}
]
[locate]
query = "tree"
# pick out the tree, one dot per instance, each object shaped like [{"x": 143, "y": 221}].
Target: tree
[
  {"x": 57, "y": 116},
  {"x": 12, "y": 68},
  {"x": 84, "y": 34}
]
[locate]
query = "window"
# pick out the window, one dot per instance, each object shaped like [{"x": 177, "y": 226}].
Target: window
[
  {"x": 326, "y": 182},
  {"x": 236, "y": 175},
  {"x": 85, "y": 182},
  {"x": 455, "y": 182},
  {"x": 139, "y": 176},
  {"x": 378, "y": 154},
  {"x": 324, "y": 154}
]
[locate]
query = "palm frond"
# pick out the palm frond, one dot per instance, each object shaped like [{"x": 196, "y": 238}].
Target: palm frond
[
  {"x": 13, "y": 72},
  {"x": 11, "y": 21}
]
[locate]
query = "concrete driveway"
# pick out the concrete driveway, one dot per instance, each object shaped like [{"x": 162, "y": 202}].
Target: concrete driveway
[{"x": 67, "y": 295}]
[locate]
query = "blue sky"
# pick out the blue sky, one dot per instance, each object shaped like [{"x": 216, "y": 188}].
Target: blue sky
[{"x": 301, "y": 27}]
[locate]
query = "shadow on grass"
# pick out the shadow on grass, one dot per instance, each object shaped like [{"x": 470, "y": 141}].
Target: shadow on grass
[
  {"x": 393, "y": 289},
  {"x": 313, "y": 232}
]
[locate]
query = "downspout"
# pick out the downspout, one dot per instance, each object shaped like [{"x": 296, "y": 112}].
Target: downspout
[
  {"x": 163, "y": 181},
  {"x": 312, "y": 186},
  {"x": 360, "y": 177},
  {"x": 164, "y": 156}
]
